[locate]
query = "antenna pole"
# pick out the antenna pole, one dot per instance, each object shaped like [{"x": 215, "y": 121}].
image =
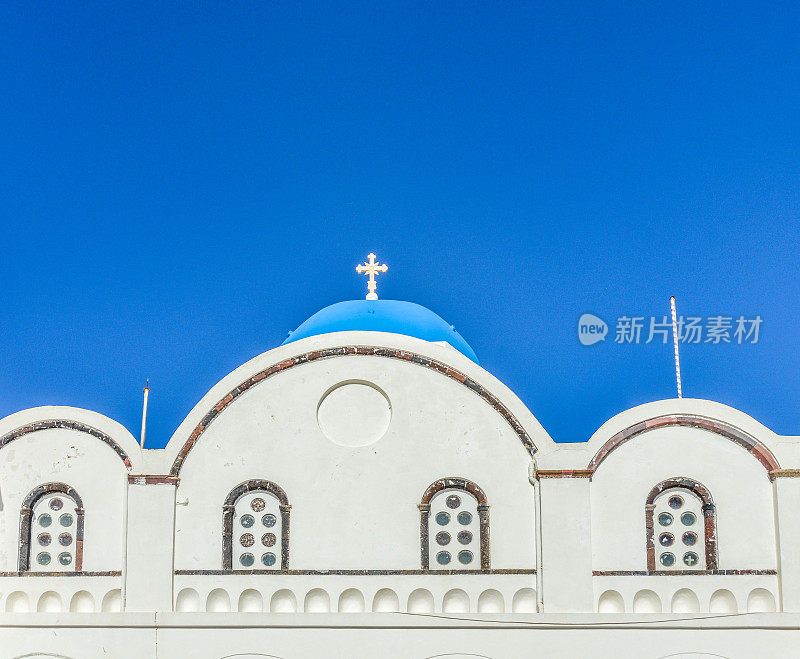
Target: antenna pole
[
  {"x": 144, "y": 410},
  {"x": 675, "y": 340}
]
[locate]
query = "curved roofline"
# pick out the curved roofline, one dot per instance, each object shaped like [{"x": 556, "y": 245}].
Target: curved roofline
[
  {"x": 35, "y": 419},
  {"x": 722, "y": 420},
  {"x": 442, "y": 359}
]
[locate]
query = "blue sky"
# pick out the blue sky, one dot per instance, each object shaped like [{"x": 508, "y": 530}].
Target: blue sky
[{"x": 183, "y": 185}]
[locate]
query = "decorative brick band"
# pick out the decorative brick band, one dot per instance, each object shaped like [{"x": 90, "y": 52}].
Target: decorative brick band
[
  {"x": 229, "y": 508},
  {"x": 709, "y": 520},
  {"x": 678, "y": 573},
  {"x": 153, "y": 479},
  {"x": 71, "y": 425},
  {"x": 425, "y": 512},
  {"x": 109, "y": 573},
  {"x": 26, "y": 522},
  {"x": 355, "y": 573},
  {"x": 784, "y": 473},
  {"x": 734, "y": 434},
  {"x": 389, "y": 353},
  {"x": 563, "y": 473}
]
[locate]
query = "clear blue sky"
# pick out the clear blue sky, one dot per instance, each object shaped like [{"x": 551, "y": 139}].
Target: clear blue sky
[{"x": 183, "y": 183}]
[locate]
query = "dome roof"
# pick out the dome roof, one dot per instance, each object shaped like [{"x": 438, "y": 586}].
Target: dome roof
[{"x": 392, "y": 316}]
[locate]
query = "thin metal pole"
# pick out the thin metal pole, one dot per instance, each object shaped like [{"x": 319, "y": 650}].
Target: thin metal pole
[
  {"x": 675, "y": 340},
  {"x": 144, "y": 411}
]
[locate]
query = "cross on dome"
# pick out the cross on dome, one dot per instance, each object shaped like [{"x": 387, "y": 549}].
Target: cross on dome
[{"x": 371, "y": 268}]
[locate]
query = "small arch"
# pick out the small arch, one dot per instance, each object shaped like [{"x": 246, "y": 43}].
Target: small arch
[
  {"x": 524, "y": 601},
  {"x": 250, "y": 601},
  {"x": 760, "y": 600},
  {"x": 112, "y": 601},
  {"x": 611, "y": 602},
  {"x": 351, "y": 601},
  {"x": 188, "y": 601},
  {"x": 18, "y": 602},
  {"x": 229, "y": 508},
  {"x": 455, "y": 601},
  {"x": 317, "y": 601},
  {"x": 709, "y": 530},
  {"x": 646, "y": 601},
  {"x": 685, "y": 601},
  {"x": 723, "y": 601},
  {"x": 721, "y": 428},
  {"x": 491, "y": 601},
  {"x": 82, "y": 602},
  {"x": 49, "y": 602},
  {"x": 283, "y": 601},
  {"x": 420, "y": 601},
  {"x": 385, "y": 601},
  {"x": 26, "y": 523},
  {"x": 218, "y": 601},
  {"x": 482, "y": 510}
]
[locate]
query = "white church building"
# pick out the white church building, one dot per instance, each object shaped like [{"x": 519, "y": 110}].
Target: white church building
[{"x": 367, "y": 489}]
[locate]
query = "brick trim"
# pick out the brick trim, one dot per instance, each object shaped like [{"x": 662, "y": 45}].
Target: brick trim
[
  {"x": 784, "y": 473},
  {"x": 730, "y": 432},
  {"x": 453, "y": 482},
  {"x": 563, "y": 473},
  {"x": 153, "y": 479},
  {"x": 681, "y": 573},
  {"x": 389, "y": 353},
  {"x": 71, "y": 425},
  {"x": 26, "y": 523},
  {"x": 709, "y": 518},
  {"x": 228, "y": 509},
  {"x": 379, "y": 572}
]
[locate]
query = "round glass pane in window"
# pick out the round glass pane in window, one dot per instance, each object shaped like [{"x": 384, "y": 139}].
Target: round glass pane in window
[
  {"x": 247, "y": 540},
  {"x": 43, "y": 558},
  {"x": 675, "y": 502},
  {"x": 689, "y": 538},
  {"x": 453, "y": 501},
  {"x": 442, "y": 518},
  {"x": 443, "y": 557},
  {"x": 666, "y": 539},
  {"x": 65, "y": 539},
  {"x": 667, "y": 559},
  {"x": 269, "y": 520},
  {"x": 464, "y": 517},
  {"x": 665, "y": 519},
  {"x": 690, "y": 558},
  {"x": 258, "y": 504},
  {"x": 45, "y": 520},
  {"x": 443, "y": 538},
  {"x": 65, "y": 558},
  {"x": 268, "y": 559},
  {"x": 464, "y": 537},
  {"x": 247, "y": 521},
  {"x": 268, "y": 539},
  {"x": 65, "y": 519},
  {"x": 44, "y": 539},
  {"x": 465, "y": 557},
  {"x": 247, "y": 559},
  {"x": 56, "y": 504},
  {"x": 688, "y": 519}
]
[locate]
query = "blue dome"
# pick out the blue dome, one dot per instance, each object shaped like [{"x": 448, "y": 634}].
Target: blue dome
[{"x": 383, "y": 316}]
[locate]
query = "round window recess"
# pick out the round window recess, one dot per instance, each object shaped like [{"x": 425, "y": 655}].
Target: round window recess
[
  {"x": 65, "y": 519},
  {"x": 667, "y": 559},
  {"x": 247, "y": 559},
  {"x": 464, "y": 517},
  {"x": 443, "y": 557},
  {"x": 465, "y": 557},
  {"x": 688, "y": 519},
  {"x": 666, "y": 539},
  {"x": 690, "y": 538},
  {"x": 43, "y": 558},
  {"x": 65, "y": 539},
  {"x": 675, "y": 502},
  {"x": 442, "y": 518},
  {"x": 268, "y": 559},
  {"x": 56, "y": 504},
  {"x": 44, "y": 539},
  {"x": 65, "y": 558},
  {"x": 465, "y": 537},
  {"x": 354, "y": 414},
  {"x": 443, "y": 538},
  {"x": 268, "y": 539},
  {"x": 665, "y": 519},
  {"x": 269, "y": 520},
  {"x": 690, "y": 558},
  {"x": 247, "y": 521},
  {"x": 45, "y": 520}
]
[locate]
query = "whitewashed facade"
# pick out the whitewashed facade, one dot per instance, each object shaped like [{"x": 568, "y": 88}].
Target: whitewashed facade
[{"x": 360, "y": 494}]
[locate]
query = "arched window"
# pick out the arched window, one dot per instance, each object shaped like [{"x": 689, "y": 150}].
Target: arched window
[
  {"x": 454, "y": 526},
  {"x": 680, "y": 520},
  {"x": 51, "y": 530},
  {"x": 255, "y": 527}
]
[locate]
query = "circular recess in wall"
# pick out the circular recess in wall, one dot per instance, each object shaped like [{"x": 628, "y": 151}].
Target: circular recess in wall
[{"x": 354, "y": 413}]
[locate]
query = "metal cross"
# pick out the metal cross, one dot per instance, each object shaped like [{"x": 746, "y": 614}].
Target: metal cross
[{"x": 371, "y": 268}]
